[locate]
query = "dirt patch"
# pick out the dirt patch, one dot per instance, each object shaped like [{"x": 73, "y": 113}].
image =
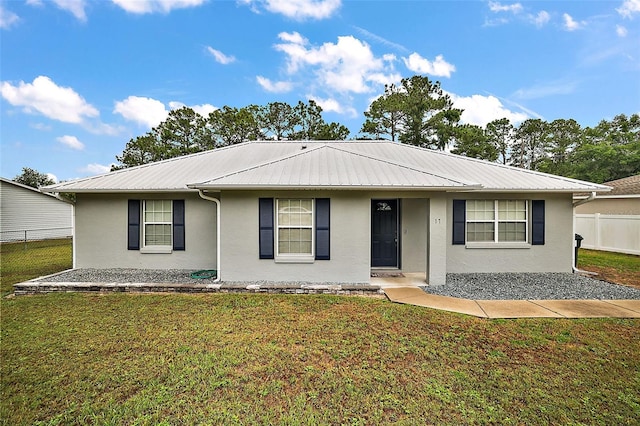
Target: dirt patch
[{"x": 612, "y": 275}]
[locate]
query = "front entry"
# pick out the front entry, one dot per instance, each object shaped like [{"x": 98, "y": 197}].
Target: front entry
[{"x": 384, "y": 233}]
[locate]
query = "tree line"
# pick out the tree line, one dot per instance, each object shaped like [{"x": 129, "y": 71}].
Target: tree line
[
  {"x": 416, "y": 111},
  {"x": 187, "y": 132}
]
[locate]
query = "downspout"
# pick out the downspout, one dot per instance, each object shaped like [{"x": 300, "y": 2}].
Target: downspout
[
  {"x": 591, "y": 197},
  {"x": 217, "y": 201},
  {"x": 586, "y": 200}
]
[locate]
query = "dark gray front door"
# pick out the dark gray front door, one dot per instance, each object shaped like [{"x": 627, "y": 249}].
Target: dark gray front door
[{"x": 384, "y": 233}]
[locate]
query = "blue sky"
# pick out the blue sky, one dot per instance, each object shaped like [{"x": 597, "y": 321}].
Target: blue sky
[{"x": 80, "y": 78}]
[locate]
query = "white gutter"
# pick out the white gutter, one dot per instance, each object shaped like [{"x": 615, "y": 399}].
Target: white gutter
[
  {"x": 586, "y": 200},
  {"x": 217, "y": 201}
]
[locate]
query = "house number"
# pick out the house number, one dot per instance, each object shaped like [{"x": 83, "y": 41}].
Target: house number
[{"x": 437, "y": 220}]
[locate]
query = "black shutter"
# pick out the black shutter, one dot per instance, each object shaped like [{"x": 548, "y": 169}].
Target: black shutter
[
  {"x": 322, "y": 229},
  {"x": 537, "y": 222},
  {"x": 459, "y": 218},
  {"x": 133, "y": 229},
  {"x": 266, "y": 228},
  {"x": 178, "y": 225}
]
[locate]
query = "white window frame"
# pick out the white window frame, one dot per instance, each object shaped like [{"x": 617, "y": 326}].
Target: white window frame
[
  {"x": 294, "y": 257},
  {"x": 496, "y": 242},
  {"x": 155, "y": 248}
]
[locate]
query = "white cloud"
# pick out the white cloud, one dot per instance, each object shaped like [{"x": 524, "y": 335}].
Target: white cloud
[
  {"x": 382, "y": 40},
  {"x": 333, "y": 105},
  {"x": 41, "y": 126},
  {"x": 629, "y": 8},
  {"x": 621, "y": 31},
  {"x": 204, "y": 109},
  {"x": 7, "y": 18},
  {"x": 480, "y": 110},
  {"x": 220, "y": 57},
  {"x": 76, "y": 7},
  {"x": 152, "y": 6},
  {"x": 439, "y": 67},
  {"x": 297, "y": 9},
  {"x": 551, "y": 88},
  {"x": 146, "y": 111},
  {"x": 71, "y": 142},
  {"x": 95, "y": 169},
  {"x": 274, "y": 87},
  {"x": 49, "y": 99},
  {"x": 345, "y": 66},
  {"x": 540, "y": 19},
  {"x": 53, "y": 177},
  {"x": 570, "y": 24},
  {"x": 496, "y": 7}
]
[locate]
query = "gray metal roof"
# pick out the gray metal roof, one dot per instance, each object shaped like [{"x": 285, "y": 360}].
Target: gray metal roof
[{"x": 335, "y": 164}]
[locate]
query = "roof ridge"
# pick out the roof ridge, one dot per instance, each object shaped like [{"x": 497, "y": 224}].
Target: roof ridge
[
  {"x": 405, "y": 166},
  {"x": 265, "y": 163},
  {"x": 60, "y": 185},
  {"x": 329, "y": 145},
  {"x": 503, "y": 166}
]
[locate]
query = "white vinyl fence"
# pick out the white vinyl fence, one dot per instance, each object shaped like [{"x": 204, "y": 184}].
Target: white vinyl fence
[{"x": 619, "y": 233}]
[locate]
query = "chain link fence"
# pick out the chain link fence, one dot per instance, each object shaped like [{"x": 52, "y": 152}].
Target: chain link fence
[{"x": 28, "y": 254}]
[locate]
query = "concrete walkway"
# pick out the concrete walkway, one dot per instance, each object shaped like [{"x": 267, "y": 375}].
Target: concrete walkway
[{"x": 516, "y": 308}]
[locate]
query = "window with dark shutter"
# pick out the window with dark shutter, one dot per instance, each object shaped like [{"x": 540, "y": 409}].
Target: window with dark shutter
[
  {"x": 459, "y": 218},
  {"x": 537, "y": 222},
  {"x": 322, "y": 228},
  {"x": 178, "y": 225},
  {"x": 266, "y": 227},
  {"x": 133, "y": 229}
]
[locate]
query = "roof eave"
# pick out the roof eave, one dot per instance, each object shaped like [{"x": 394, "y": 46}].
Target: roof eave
[
  {"x": 115, "y": 191},
  {"x": 546, "y": 190},
  {"x": 332, "y": 187}
]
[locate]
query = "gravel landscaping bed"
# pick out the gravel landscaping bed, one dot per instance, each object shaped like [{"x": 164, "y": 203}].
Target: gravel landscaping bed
[
  {"x": 530, "y": 286},
  {"x": 485, "y": 286},
  {"x": 160, "y": 276}
]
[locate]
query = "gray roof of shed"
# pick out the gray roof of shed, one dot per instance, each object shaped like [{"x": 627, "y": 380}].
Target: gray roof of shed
[{"x": 324, "y": 165}]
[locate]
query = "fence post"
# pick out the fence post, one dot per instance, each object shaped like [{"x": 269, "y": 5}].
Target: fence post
[
  {"x": 25, "y": 240},
  {"x": 596, "y": 221}
]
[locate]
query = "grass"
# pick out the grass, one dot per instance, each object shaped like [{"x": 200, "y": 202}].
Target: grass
[
  {"x": 278, "y": 359},
  {"x": 24, "y": 261},
  {"x": 614, "y": 267}
]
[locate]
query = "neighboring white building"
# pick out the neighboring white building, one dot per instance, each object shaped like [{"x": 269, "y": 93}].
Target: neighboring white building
[
  {"x": 28, "y": 214},
  {"x": 611, "y": 221}
]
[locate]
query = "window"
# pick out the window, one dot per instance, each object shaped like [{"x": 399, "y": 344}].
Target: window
[
  {"x": 156, "y": 217},
  {"x": 294, "y": 230},
  {"x": 496, "y": 220},
  {"x": 294, "y": 227},
  {"x": 156, "y": 226}
]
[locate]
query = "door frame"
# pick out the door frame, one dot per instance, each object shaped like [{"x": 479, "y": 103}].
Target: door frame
[{"x": 398, "y": 233}]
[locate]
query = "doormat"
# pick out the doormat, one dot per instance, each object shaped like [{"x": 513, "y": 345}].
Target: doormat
[{"x": 387, "y": 275}]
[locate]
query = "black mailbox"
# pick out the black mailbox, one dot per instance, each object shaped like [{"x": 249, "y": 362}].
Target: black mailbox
[{"x": 578, "y": 239}]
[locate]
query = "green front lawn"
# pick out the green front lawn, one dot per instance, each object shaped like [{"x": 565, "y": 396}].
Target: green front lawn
[
  {"x": 277, "y": 359},
  {"x": 24, "y": 261}
]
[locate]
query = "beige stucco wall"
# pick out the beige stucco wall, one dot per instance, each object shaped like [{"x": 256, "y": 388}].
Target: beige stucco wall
[
  {"x": 414, "y": 236},
  {"x": 350, "y": 240},
  {"x": 621, "y": 206},
  {"x": 101, "y": 234},
  {"x": 426, "y": 218},
  {"x": 554, "y": 256}
]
